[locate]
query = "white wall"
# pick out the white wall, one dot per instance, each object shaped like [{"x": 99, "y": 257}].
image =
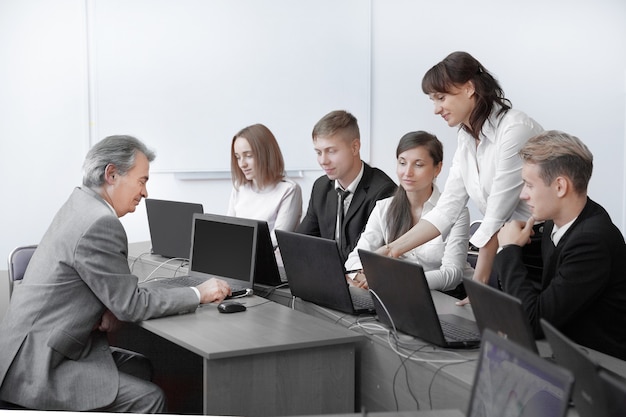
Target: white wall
[
  {"x": 43, "y": 113},
  {"x": 564, "y": 63}
]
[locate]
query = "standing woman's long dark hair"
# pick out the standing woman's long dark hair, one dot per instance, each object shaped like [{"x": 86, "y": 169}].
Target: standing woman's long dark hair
[
  {"x": 399, "y": 216},
  {"x": 455, "y": 70}
]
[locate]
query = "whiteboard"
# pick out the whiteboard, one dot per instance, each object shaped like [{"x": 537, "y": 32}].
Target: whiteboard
[{"x": 185, "y": 75}]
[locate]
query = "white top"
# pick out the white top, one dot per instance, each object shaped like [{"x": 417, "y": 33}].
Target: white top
[
  {"x": 444, "y": 262},
  {"x": 489, "y": 174},
  {"x": 279, "y": 205}
]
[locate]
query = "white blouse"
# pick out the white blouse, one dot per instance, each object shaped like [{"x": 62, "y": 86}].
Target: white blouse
[
  {"x": 280, "y": 205},
  {"x": 444, "y": 262},
  {"x": 489, "y": 174}
]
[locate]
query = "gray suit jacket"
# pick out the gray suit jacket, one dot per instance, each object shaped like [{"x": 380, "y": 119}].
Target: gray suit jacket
[{"x": 50, "y": 355}]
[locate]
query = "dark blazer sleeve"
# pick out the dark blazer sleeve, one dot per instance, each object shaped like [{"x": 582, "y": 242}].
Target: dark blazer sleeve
[{"x": 315, "y": 213}]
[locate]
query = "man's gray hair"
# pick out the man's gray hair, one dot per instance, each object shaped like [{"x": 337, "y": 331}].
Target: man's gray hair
[{"x": 119, "y": 150}]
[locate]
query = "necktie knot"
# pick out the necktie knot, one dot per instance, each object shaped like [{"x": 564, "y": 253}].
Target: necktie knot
[{"x": 342, "y": 194}]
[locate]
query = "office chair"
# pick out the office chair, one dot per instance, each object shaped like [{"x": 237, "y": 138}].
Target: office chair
[{"x": 18, "y": 261}]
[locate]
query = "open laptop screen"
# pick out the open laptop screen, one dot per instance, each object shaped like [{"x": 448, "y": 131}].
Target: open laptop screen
[
  {"x": 223, "y": 246},
  {"x": 513, "y": 381}
]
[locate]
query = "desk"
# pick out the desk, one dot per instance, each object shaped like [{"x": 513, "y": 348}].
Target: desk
[
  {"x": 411, "y": 374},
  {"x": 269, "y": 360},
  {"x": 397, "y": 378},
  {"x": 388, "y": 377}
]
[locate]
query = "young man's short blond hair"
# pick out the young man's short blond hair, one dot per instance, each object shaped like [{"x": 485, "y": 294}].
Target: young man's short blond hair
[
  {"x": 560, "y": 154},
  {"x": 337, "y": 122}
]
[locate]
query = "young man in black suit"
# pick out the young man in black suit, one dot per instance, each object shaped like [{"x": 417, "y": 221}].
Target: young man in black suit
[
  {"x": 583, "y": 288},
  {"x": 337, "y": 142}
]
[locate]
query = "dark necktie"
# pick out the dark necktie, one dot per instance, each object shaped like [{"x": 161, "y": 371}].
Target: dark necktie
[{"x": 339, "y": 225}]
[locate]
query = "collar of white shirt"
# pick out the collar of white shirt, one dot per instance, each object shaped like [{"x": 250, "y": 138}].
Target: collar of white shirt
[
  {"x": 353, "y": 184},
  {"x": 558, "y": 232}
]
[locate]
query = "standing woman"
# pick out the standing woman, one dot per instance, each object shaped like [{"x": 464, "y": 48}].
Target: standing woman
[
  {"x": 486, "y": 166},
  {"x": 260, "y": 189},
  {"x": 419, "y": 160}
]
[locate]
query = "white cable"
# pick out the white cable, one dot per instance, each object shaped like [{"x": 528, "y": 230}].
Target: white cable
[
  {"x": 132, "y": 266},
  {"x": 162, "y": 264},
  {"x": 395, "y": 331}
]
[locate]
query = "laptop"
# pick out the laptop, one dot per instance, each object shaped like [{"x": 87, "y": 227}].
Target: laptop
[
  {"x": 512, "y": 381},
  {"x": 315, "y": 273},
  {"x": 266, "y": 271},
  {"x": 170, "y": 226},
  {"x": 615, "y": 392},
  {"x": 221, "y": 247},
  {"x": 404, "y": 302},
  {"x": 588, "y": 396},
  {"x": 500, "y": 312}
]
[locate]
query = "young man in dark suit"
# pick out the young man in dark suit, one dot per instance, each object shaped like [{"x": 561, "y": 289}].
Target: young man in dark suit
[
  {"x": 337, "y": 142},
  {"x": 583, "y": 288}
]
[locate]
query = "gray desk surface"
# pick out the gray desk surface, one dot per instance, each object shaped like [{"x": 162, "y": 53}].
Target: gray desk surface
[{"x": 264, "y": 327}]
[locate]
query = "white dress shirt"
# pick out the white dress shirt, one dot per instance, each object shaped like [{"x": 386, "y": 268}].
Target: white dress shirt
[
  {"x": 351, "y": 188},
  {"x": 444, "y": 262},
  {"x": 489, "y": 174},
  {"x": 348, "y": 199},
  {"x": 279, "y": 205},
  {"x": 558, "y": 232}
]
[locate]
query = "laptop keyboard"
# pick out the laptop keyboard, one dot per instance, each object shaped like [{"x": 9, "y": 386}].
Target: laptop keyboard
[
  {"x": 362, "y": 300},
  {"x": 454, "y": 332},
  {"x": 189, "y": 281}
]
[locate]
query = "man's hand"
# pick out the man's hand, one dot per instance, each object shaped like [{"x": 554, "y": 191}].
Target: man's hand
[
  {"x": 516, "y": 232},
  {"x": 358, "y": 281},
  {"x": 212, "y": 290},
  {"x": 109, "y": 323},
  {"x": 463, "y": 302}
]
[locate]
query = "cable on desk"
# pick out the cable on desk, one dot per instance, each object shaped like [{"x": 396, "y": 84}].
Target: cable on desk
[
  {"x": 402, "y": 361},
  {"x": 369, "y": 328},
  {"x": 132, "y": 266},
  {"x": 395, "y": 331},
  {"x": 432, "y": 380},
  {"x": 259, "y": 304},
  {"x": 406, "y": 378},
  {"x": 394, "y": 344},
  {"x": 446, "y": 361},
  {"x": 271, "y": 290},
  {"x": 164, "y": 263}
]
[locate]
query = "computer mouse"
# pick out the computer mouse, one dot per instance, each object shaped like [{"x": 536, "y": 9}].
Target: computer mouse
[{"x": 230, "y": 307}]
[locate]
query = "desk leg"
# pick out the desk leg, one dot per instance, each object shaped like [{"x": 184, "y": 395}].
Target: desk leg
[{"x": 305, "y": 381}]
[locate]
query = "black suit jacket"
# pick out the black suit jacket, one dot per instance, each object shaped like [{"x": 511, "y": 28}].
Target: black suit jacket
[
  {"x": 583, "y": 289},
  {"x": 321, "y": 215}
]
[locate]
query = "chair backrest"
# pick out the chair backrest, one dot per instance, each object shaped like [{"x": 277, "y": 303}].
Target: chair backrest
[{"x": 18, "y": 261}]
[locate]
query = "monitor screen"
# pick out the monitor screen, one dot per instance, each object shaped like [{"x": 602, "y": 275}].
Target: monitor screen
[
  {"x": 514, "y": 382},
  {"x": 224, "y": 246}
]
